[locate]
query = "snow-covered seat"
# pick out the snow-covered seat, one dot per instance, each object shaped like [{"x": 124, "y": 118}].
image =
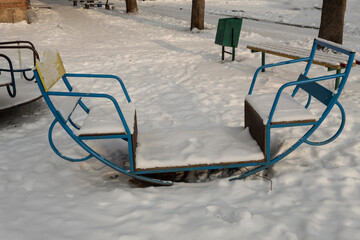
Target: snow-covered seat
[
  {"x": 106, "y": 121},
  {"x": 288, "y": 109}
]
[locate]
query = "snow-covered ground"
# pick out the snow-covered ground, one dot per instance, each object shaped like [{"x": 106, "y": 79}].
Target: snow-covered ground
[{"x": 177, "y": 80}]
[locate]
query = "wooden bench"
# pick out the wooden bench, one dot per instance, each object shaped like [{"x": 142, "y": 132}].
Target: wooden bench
[
  {"x": 327, "y": 59},
  {"x": 87, "y": 3}
]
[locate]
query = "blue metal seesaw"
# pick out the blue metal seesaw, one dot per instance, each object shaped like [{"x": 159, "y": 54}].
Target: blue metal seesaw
[{"x": 263, "y": 113}]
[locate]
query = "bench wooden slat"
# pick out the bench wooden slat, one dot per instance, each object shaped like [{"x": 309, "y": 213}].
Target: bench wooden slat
[
  {"x": 334, "y": 66},
  {"x": 329, "y": 60},
  {"x": 302, "y": 52}
]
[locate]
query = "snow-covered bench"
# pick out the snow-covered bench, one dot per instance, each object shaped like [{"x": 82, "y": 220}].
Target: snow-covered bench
[
  {"x": 326, "y": 59},
  {"x": 87, "y": 3}
]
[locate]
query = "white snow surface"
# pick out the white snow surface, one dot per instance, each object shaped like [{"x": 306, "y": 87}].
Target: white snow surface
[
  {"x": 178, "y": 82},
  {"x": 26, "y": 91},
  {"x": 104, "y": 119},
  {"x": 5, "y": 81}
]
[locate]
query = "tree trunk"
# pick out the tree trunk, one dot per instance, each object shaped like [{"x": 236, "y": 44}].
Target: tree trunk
[
  {"x": 131, "y": 6},
  {"x": 197, "y": 14},
  {"x": 332, "y": 20}
]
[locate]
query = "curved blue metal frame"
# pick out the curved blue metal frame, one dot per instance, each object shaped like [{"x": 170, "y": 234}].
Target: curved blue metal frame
[
  {"x": 338, "y": 132},
  {"x": 57, "y": 151},
  {"x": 322, "y": 97}
]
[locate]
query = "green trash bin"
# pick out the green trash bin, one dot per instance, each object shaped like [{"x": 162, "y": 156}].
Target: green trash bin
[{"x": 228, "y": 33}]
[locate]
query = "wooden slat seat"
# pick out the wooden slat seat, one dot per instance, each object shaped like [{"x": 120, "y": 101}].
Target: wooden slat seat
[{"x": 288, "y": 111}]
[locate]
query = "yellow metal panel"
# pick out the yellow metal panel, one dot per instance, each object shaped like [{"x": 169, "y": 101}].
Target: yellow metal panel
[{"x": 51, "y": 69}]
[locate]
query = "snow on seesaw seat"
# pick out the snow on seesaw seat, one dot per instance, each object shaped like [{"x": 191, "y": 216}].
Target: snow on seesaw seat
[
  {"x": 178, "y": 81},
  {"x": 204, "y": 146}
]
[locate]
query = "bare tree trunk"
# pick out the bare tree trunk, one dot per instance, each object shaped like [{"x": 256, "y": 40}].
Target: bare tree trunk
[
  {"x": 332, "y": 20},
  {"x": 131, "y": 6},
  {"x": 197, "y": 14}
]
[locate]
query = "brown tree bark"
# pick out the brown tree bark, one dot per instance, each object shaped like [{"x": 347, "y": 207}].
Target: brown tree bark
[
  {"x": 131, "y": 6},
  {"x": 197, "y": 14},
  {"x": 332, "y": 20}
]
